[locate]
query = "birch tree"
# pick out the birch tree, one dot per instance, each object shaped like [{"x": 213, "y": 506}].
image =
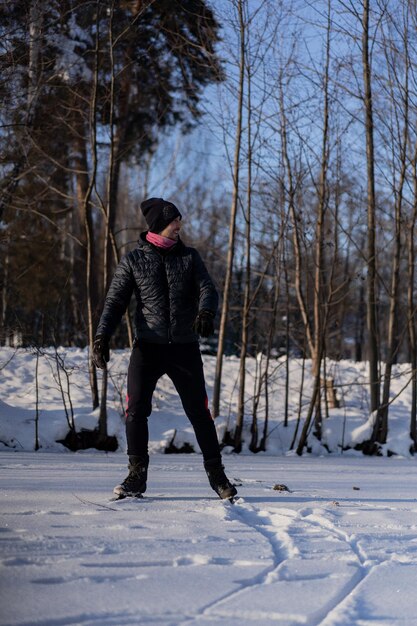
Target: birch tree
[
  {"x": 371, "y": 261},
  {"x": 233, "y": 210}
]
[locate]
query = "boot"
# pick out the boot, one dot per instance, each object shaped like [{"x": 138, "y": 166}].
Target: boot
[
  {"x": 135, "y": 482},
  {"x": 218, "y": 479}
]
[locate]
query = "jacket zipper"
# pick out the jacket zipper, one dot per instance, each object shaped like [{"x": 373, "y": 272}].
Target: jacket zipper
[{"x": 169, "y": 310}]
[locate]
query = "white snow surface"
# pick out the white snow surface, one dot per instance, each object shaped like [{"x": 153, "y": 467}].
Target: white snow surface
[{"x": 339, "y": 548}]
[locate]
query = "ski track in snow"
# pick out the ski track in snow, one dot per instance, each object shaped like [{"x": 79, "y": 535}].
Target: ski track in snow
[
  {"x": 281, "y": 529},
  {"x": 178, "y": 558}
]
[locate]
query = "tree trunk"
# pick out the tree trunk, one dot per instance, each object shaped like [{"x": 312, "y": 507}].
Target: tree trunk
[
  {"x": 372, "y": 320},
  {"x": 411, "y": 306},
  {"x": 88, "y": 221},
  {"x": 247, "y": 289},
  {"x": 111, "y": 255},
  {"x": 83, "y": 263},
  {"x": 380, "y": 435},
  {"x": 232, "y": 223},
  {"x": 319, "y": 296}
]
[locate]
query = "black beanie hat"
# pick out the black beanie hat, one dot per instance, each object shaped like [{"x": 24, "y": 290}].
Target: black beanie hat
[{"x": 159, "y": 213}]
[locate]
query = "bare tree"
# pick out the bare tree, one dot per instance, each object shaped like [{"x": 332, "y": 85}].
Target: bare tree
[
  {"x": 411, "y": 305},
  {"x": 88, "y": 221},
  {"x": 233, "y": 212},
  {"x": 400, "y": 96},
  {"x": 371, "y": 261}
]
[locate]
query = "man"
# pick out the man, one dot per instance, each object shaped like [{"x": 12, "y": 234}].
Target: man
[{"x": 175, "y": 302}]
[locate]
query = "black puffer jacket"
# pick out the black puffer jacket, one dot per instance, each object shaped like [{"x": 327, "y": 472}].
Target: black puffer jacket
[{"x": 170, "y": 288}]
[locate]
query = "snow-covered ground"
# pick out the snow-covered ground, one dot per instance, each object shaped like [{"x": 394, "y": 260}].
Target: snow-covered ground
[
  {"x": 338, "y": 549},
  {"x": 58, "y": 383}
]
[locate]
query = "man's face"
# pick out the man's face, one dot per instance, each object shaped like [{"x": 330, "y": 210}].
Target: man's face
[{"x": 172, "y": 230}]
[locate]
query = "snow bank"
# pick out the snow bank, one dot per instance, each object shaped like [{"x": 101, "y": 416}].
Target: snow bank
[{"x": 57, "y": 383}]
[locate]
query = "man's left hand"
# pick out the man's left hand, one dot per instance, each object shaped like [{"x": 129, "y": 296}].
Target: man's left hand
[{"x": 204, "y": 323}]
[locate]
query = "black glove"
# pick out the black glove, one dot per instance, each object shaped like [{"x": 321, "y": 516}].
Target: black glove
[
  {"x": 204, "y": 323},
  {"x": 101, "y": 353}
]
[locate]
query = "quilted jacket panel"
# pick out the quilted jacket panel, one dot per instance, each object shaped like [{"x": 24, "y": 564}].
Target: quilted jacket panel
[{"x": 170, "y": 289}]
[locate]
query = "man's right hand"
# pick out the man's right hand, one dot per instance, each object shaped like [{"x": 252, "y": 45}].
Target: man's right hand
[{"x": 101, "y": 352}]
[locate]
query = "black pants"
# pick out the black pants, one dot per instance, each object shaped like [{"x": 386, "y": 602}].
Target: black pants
[{"x": 184, "y": 366}]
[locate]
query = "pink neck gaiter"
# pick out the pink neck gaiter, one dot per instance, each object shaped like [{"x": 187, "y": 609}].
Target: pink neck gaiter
[{"x": 160, "y": 241}]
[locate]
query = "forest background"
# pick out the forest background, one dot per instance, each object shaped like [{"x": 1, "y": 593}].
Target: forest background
[{"x": 286, "y": 134}]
